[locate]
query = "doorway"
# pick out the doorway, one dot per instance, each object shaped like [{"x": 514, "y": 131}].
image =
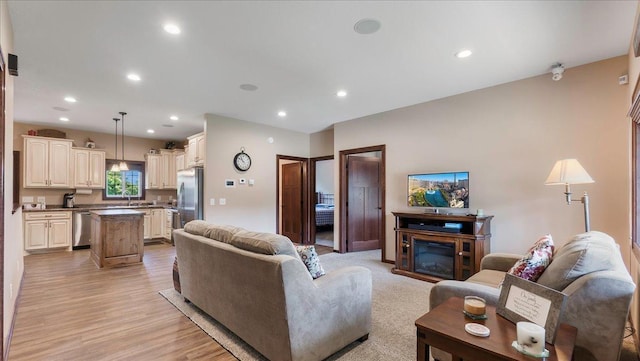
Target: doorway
[
  {"x": 362, "y": 197},
  {"x": 292, "y": 198},
  {"x": 322, "y": 208},
  {"x": 2, "y": 198}
]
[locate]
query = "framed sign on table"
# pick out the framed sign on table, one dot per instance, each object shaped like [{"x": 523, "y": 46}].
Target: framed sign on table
[{"x": 522, "y": 300}]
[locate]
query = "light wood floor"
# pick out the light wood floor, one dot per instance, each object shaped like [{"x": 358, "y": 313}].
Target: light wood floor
[{"x": 71, "y": 310}]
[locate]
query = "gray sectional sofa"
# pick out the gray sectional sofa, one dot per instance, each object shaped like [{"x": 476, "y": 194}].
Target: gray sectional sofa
[
  {"x": 588, "y": 269},
  {"x": 257, "y": 286}
]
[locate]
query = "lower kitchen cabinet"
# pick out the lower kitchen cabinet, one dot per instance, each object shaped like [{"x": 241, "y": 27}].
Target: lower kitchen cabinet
[
  {"x": 44, "y": 230},
  {"x": 168, "y": 223},
  {"x": 154, "y": 220},
  {"x": 157, "y": 223}
]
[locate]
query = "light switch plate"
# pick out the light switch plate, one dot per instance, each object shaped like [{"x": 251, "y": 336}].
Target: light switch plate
[
  {"x": 27, "y": 199},
  {"x": 212, "y": 201},
  {"x": 223, "y": 201},
  {"x": 252, "y": 182}
]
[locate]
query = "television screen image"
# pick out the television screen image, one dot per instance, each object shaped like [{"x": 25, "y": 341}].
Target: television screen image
[{"x": 441, "y": 190}]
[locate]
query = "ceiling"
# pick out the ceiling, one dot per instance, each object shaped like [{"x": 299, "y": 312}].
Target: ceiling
[{"x": 298, "y": 54}]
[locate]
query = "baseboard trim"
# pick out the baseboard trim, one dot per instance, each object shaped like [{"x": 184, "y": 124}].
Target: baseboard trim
[
  {"x": 5, "y": 357},
  {"x": 389, "y": 261}
]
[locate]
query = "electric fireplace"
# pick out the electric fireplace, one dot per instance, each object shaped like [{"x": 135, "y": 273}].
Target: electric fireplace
[{"x": 434, "y": 259}]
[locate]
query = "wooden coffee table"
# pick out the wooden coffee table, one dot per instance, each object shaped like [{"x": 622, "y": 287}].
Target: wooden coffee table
[{"x": 443, "y": 328}]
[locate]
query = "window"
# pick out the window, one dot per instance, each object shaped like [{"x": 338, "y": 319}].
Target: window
[{"x": 124, "y": 184}]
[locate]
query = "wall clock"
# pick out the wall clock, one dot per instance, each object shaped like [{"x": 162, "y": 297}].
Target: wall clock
[{"x": 242, "y": 161}]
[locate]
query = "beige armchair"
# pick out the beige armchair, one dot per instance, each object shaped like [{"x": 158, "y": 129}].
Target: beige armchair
[{"x": 588, "y": 269}]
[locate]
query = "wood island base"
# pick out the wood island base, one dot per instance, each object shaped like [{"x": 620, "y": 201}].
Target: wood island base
[{"x": 117, "y": 237}]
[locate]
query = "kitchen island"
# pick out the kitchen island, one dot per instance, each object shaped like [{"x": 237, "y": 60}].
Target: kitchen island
[{"x": 117, "y": 237}]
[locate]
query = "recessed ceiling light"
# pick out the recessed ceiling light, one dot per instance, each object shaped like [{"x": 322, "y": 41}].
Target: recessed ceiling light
[
  {"x": 172, "y": 29},
  {"x": 248, "y": 87},
  {"x": 282, "y": 114},
  {"x": 341, "y": 93},
  {"x": 174, "y": 117},
  {"x": 70, "y": 99},
  {"x": 134, "y": 77},
  {"x": 150, "y": 131},
  {"x": 64, "y": 119},
  {"x": 367, "y": 26},
  {"x": 463, "y": 53}
]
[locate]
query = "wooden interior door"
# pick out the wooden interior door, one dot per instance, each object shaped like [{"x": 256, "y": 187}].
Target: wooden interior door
[
  {"x": 364, "y": 211},
  {"x": 292, "y": 206}
]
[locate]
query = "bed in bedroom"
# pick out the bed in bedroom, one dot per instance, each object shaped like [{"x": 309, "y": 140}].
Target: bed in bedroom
[{"x": 324, "y": 210}]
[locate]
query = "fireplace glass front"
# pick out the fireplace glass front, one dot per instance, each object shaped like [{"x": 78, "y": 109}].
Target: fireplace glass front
[{"x": 434, "y": 259}]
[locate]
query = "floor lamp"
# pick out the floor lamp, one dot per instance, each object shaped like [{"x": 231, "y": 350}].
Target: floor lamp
[{"x": 568, "y": 172}]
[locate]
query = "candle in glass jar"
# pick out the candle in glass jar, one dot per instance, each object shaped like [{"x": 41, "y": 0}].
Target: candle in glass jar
[
  {"x": 475, "y": 305},
  {"x": 530, "y": 337}
]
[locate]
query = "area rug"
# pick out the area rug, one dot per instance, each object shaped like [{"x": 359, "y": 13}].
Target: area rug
[{"x": 397, "y": 301}]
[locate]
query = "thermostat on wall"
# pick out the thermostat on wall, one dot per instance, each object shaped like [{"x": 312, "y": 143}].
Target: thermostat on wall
[{"x": 230, "y": 183}]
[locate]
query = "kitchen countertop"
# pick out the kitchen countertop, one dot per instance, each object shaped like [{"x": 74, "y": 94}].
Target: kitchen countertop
[
  {"x": 116, "y": 212},
  {"x": 92, "y": 207}
]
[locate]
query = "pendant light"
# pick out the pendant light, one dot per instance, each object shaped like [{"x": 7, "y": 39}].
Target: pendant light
[
  {"x": 115, "y": 167},
  {"x": 123, "y": 164}
]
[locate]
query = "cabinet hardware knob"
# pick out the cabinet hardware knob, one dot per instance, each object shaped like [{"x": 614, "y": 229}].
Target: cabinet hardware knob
[{"x": 459, "y": 253}]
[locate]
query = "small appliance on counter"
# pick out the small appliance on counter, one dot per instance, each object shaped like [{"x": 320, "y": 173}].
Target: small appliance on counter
[{"x": 67, "y": 200}]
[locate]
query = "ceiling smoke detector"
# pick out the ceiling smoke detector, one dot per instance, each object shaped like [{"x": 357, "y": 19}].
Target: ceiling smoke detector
[{"x": 556, "y": 71}]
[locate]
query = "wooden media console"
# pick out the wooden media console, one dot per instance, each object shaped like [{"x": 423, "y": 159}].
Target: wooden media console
[{"x": 434, "y": 247}]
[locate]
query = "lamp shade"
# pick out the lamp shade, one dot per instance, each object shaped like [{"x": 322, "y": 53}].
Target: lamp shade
[{"x": 568, "y": 171}]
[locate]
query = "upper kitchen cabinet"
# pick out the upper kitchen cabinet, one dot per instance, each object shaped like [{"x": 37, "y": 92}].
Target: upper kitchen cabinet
[
  {"x": 196, "y": 150},
  {"x": 181, "y": 160},
  {"x": 47, "y": 162},
  {"x": 161, "y": 169},
  {"x": 169, "y": 175},
  {"x": 153, "y": 171},
  {"x": 89, "y": 168}
]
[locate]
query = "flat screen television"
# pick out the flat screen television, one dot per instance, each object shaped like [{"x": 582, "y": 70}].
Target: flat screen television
[{"x": 439, "y": 190}]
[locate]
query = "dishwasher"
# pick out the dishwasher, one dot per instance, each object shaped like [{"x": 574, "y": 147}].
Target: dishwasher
[{"x": 81, "y": 229}]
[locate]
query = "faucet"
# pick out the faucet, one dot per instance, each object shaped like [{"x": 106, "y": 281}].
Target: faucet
[{"x": 126, "y": 192}]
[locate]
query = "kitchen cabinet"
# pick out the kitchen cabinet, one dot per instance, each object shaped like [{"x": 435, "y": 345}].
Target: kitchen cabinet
[
  {"x": 88, "y": 168},
  {"x": 180, "y": 161},
  {"x": 47, "y": 162},
  {"x": 146, "y": 212},
  {"x": 152, "y": 172},
  {"x": 157, "y": 223},
  {"x": 168, "y": 174},
  {"x": 43, "y": 230},
  {"x": 168, "y": 223},
  {"x": 153, "y": 222},
  {"x": 196, "y": 151},
  {"x": 161, "y": 170}
]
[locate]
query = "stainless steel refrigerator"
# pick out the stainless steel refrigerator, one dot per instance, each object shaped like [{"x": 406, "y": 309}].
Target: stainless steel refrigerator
[{"x": 190, "y": 194}]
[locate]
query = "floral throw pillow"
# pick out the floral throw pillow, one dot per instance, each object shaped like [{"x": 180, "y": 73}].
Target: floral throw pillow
[
  {"x": 310, "y": 259},
  {"x": 531, "y": 265}
]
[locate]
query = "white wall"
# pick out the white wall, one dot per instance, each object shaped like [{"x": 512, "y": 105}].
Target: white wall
[
  {"x": 508, "y": 137},
  {"x": 13, "y": 261},
  {"x": 251, "y": 207},
  {"x": 324, "y": 176}
]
